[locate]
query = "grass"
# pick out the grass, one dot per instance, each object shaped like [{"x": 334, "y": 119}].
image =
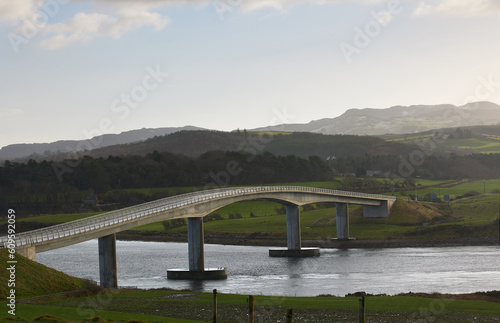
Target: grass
[
  {"x": 484, "y": 145},
  {"x": 55, "y": 218},
  {"x": 480, "y": 186},
  {"x": 34, "y": 279},
  {"x": 478, "y": 210},
  {"x": 163, "y": 190},
  {"x": 29, "y": 312},
  {"x": 334, "y": 185},
  {"x": 138, "y": 305}
]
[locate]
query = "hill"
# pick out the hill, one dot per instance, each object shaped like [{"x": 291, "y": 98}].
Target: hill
[
  {"x": 34, "y": 279},
  {"x": 462, "y": 140},
  {"x": 400, "y": 119},
  {"x": 394, "y": 120},
  {"x": 196, "y": 143},
  {"x": 54, "y": 148}
]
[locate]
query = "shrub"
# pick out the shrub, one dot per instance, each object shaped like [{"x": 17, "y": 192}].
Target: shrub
[
  {"x": 280, "y": 210},
  {"x": 213, "y": 217},
  {"x": 235, "y": 216}
]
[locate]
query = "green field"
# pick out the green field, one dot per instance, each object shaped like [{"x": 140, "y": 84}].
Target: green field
[
  {"x": 482, "y": 186},
  {"x": 31, "y": 312},
  {"x": 185, "y": 306},
  {"x": 477, "y": 142},
  {"x": 484, "y": 145}
]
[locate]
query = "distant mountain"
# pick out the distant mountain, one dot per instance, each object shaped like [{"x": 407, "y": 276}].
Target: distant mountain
[
  {"x": 373, "y": 122},
  {"x": 50, "y": 149},
  {"x": 399, "y": 119}
]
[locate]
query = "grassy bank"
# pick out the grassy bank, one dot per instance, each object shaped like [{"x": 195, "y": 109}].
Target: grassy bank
[{"x": 34, "y": 279}]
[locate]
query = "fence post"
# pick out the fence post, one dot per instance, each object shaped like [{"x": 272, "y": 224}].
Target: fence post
[
  {"x": 250, "y": 309},
  {"x": 362, "y": 309},
  {"x": 289, "y": 316},
  {"x": 214, "y": 320}
]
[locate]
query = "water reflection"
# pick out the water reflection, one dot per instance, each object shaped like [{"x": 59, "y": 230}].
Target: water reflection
[{"x": 196, "y": 285}]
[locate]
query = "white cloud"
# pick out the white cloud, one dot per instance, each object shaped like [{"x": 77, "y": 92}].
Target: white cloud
[
  {"x": 11, "y": 12},
  {"x": 459, "y": 7},
  {"x": 85, "y": 27}
]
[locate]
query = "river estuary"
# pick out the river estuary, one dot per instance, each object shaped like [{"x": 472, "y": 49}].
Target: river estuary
[{"x": 252, "y": 271}]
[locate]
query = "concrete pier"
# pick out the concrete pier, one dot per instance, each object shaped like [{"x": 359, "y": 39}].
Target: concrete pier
[
  {"x": 293, "y": 237},
  {"x": 107, "y": 261},
  {"x": 196, "y": 254},
  {"x": 342, "y": 221},
  {"x": 196, "y": 244},
  {"x": 293, "y": 227}
]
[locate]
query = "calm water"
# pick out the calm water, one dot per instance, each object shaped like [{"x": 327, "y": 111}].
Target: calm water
[{"x": 336, "y": 272}]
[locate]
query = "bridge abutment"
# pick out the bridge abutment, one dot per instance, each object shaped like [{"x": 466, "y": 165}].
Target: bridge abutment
[
  {"x": 107, "y": 261},
  {"x": 28, "y": 252},
  {"x": 294, "y": 241},
  {"x": 381, "y": 211},
  {"x": 196, "y": 254}
]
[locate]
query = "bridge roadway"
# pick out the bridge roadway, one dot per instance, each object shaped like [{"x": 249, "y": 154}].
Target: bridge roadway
[{"x": 194, "y": 206}]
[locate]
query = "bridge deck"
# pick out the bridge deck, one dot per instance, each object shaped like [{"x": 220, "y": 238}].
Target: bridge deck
[{"x": 195, "y": 204}]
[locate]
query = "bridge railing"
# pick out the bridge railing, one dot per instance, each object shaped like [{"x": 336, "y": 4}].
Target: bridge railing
[{"x": 146, "y": 209}]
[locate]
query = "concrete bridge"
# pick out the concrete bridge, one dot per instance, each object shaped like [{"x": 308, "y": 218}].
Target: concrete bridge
[{"x": 194, "y": 206}]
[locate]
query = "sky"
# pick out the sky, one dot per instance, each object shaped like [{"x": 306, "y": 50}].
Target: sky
[{"x": 73, "y": 69}]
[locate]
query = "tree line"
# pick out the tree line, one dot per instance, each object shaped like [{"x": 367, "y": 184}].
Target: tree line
[{"x": 33, "y": 187}]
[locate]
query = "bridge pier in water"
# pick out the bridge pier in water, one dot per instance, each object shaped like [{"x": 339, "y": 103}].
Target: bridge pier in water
[
  {"x": 342, "y": 210},
  {"x": 107, "y": 261},
  {"x": 196, "y": 254},
  {"x": 293, "y": 234}
]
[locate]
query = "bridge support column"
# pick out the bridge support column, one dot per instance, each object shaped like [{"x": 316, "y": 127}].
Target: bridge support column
[
  {"x": 107, "y": 261},
  {"x": 196, "y": 254},
  {"x": 293, "y": 237},
  {"x": 342, "y": 221},
  {"x": 293, "y": 227},
  {"x": 196, "y": 244}
]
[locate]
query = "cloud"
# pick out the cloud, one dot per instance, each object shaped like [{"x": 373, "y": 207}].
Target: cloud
[
  {"x": 111, "y": 18},
  {"x": 85, "y": 27},
  {"x": 459, "y": 7},
  {"x": 12, "y": 12}
]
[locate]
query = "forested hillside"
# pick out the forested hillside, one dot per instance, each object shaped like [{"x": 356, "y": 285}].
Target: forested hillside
[
  {"x": 40, "y": 186},
  {"x": 195, "y": 143},
  {"x": 44, "y": 187}
]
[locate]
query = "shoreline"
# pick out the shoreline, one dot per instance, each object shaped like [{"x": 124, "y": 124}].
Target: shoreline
[{"x": 249, "y": 240}]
